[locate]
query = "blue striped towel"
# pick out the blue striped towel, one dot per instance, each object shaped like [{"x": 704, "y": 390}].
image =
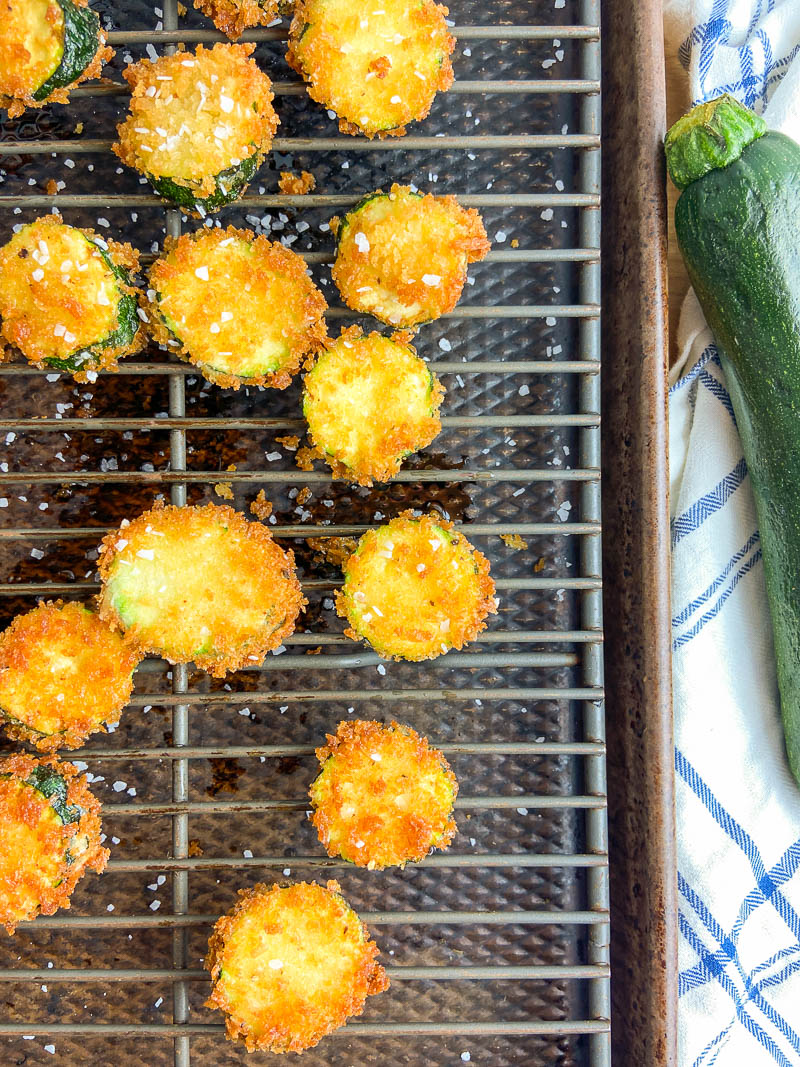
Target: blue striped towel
[{"x": 738, "y": 808}]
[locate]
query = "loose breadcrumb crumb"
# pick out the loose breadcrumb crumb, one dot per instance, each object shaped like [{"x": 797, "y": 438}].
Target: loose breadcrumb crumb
[{"x": 296, "y": 184}]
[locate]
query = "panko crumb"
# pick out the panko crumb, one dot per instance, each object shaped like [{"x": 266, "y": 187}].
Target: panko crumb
[
  {"x": 224, "y": 489},
  {"x": 296, "y": 184},
  {"x": 291, "y": 441},
  {"x": 261, "y": 507},
  {"x": 513, "y": 541},
  {"x": 51, "y": 187},
  {"x": 305, "y": 457},
  {"x": 304, "y": 495},
  {"x": 539, "y": 564},
  {"x": 333, "y": 550}
]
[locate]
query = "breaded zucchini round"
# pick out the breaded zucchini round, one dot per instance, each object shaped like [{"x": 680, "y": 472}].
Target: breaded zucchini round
[
  {"x": 416, "y": 588},
  {"x": 199, "y": 583},
  {"x": 289, "y": 965},
  {"x": 66, "y": 297},
  {"x": 49, "y": 836},
  {"x": 241, "y": 308},
  {"x": 199, "y": 125},
  {"x": 370, "y": 402},
  {"x": 377, "y": 66},
  {"x": 64, "y": 673},
  {"x": 403, "y": 257},
  {"x": 46, "y": 48},
  {"x": 233, "y": 17},
  {"x": 383, "y": 797}
]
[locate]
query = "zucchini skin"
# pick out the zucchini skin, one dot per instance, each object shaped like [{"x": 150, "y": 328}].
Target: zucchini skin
[
  {"x": 737, "y": 228},
  {"x": 230, "y": 184},
  {"x": 81, "y": 26}
]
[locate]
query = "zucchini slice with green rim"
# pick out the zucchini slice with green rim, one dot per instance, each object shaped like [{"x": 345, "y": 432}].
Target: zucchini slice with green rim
[
  {"x": 376, "y": 67},
  {"x": 403, "y": 257},
  {"x": 383, "y": 797},
  {"x": 370, "y": 401},
  {"x": 199, "y": 583},
  {"x": 50, "y": 830},
  {"x": 64, "y": 674},
  {"x": 199, "y": 124},
  {"x": 66, "y": 297},
  {"x": 416, "y": 588},
  {"x": 289, "y": 965},
  {"x": 47, "y": 47},
  {"x": 241, "y": 308},
  {"x": 233, "y": 17}
]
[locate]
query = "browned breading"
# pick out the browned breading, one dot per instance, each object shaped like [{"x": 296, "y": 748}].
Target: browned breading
[
  {"x": 233, "y": 17},
  {"x": 199, "y": 583},
  {"x": 513, "y": 541},
  {"x": 289, "y": 965},
  {"x": 64, "y": 673},
  {"x": 383, "y": 797},
  {"x": 35, "y": 874},
  {"x": 333, "y": 550},
  {"x": 296, "y": 184},
  {"x": 261, "y": 507},
  {"x": 415, "y": 588},
  {"x": 16, "y": 88}
]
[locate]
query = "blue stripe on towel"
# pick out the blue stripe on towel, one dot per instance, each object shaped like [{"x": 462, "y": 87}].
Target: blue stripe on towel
[{"x": 707, "y": 505}]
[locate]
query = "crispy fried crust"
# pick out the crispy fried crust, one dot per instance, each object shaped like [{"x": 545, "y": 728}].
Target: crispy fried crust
[
  {"x": 41, "y": 305},
  {"x": 327, "y": 966},
  {"x": 262, "y": 301},
  {"x": 233, "y": 17},
  {"x": 378, "y": 69},
  {"x": 201, "y": 584},
  {"x": 370, "y": 401},
  {"x": 35, "y": 876},
  {"x": 63, "y": 674},
  {"x": 383, "y": 796},
  {"x": 216, "y": 89},
  {"x": 15, "y": 89},
  {"x": 403, "y": 257},
  {"x": 416, "y": 588}
]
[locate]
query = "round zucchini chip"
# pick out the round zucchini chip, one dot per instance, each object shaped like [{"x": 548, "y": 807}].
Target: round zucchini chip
[
  {"x": 46, "y": 48},
  {"x": 289, "y": 965},
  {"x": 64, "y": 673},
  {"x": 240, "y": 307},
  {"x": 376, "y": 69},
  {"x": 50, "y": 834},
  {"x": 416, "y": 588},
  {"x": 201, "y": 584},
  {"x": 383, "y": 797},
  {"x": 370, "y": 402},
  {"x": 233, "y": 17},
  {"x": 199, "y": 125},
  {"x": 66, "y": 297},
  {"x": 403, "y": 257}
]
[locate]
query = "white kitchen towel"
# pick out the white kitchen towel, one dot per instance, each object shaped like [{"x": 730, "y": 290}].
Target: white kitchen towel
[{"x": 738, "y": 808}]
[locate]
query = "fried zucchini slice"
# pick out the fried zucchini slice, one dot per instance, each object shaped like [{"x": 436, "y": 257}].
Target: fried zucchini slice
[
  {"x": 403, "y": 257},
  {"x": 66, "y": 297},
  {"x": 416, "y": 588},
  {"x": 233, "y": 17},
  {"x": 49, "y": 836},
  {"x": 289, "y": 965},
  {"x": 383, "y": 797},
  {"x": 199, "y": 125},
  {"x": 370, "y": 402},
  {"x": 46, "y": 48},
  {"x": 64, "y": 673},
  {"x": 377, "y": 69},
  {"x": 240, "y": 307},
  {"x": 201, "y": 584}
]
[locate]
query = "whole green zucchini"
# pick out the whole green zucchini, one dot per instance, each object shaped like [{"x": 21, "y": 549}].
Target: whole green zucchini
[{"x": 737, "y": 221}]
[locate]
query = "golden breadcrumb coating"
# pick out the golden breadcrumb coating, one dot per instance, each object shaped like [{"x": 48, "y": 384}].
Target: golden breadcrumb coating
[
  {"x": 42, "y": 856},
  {"x": 58, "y": 294},
  {"x": 383, "y": 797},
  {"x": 296, "y": 184},
  {"x": 242, "y": 308},
  {"x": 199, "y": 583},
  {"x": 377, "y": 68},
  {"x": 370, "y": 401},
  {"x": 289, "y": 965},
  {"x": 403, "y": 257},
  {"x": 233, "y": 17},
  {"x": 20, "y": 73},
  {"x": 416, "y": 588},
  {"x": 64, "y": 674},
  {"x": 195, "y": 116}
]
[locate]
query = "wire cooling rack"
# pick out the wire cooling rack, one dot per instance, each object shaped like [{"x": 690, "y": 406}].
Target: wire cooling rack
[{"x": 497, "y": 949}]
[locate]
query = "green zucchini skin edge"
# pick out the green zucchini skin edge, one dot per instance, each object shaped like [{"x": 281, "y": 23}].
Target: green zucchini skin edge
[
  {"x": 81, "y": 26},
  {"x": 50, "y": 784},
  {"x": 230, "y": 184},
  {"x": 737, "y": 228}
]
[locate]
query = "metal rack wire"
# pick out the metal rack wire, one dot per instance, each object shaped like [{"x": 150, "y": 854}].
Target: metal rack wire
[{"x": 581, "y": 658}]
